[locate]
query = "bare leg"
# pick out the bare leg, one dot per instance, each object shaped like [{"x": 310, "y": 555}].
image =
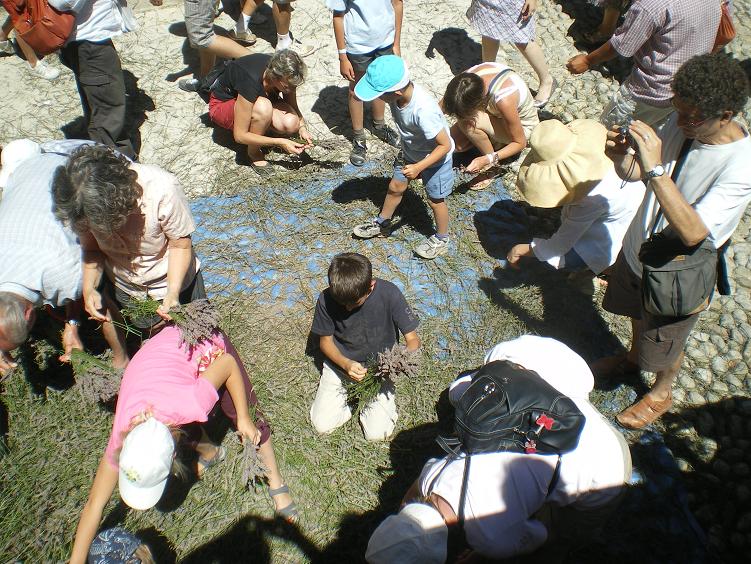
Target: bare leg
[
  {"x": 282, "y": 17},
  {"x": 357, "y": 108},
  {"x": 489, "y": 49},
  {"x": 536, "y": 58},
  {"x": 284, "y": 120},
  {"x": 393, "y": 198},
  {"x": 441, "y": 214},
  {"x": 266, "y": 450},
  {"x": 609, "y": 22},
  {"x": 222, "y": 47},
  {"x": 260, "y": 121},
  {"x": 28, "y": 52},
  {"x": 115, "y": 336},
  {"x": 477, "y": 137}
]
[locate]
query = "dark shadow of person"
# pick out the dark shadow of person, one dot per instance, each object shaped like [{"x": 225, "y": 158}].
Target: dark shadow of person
[
  {"x": 138, "y": 103},
  {"x": 247, "y": 541},
  {"x": 457, "y": 47},
  {"x": 412, "y": 210},
  {"x": 331, "y": 105},
  {"x": 568, "y": 315}
]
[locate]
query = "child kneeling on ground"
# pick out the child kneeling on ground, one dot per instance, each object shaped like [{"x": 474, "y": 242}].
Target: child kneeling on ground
[
  {"x": 357, "y": 317},
  {"x": 426, "y": 150},
  {"x": 168, "y": 385}
]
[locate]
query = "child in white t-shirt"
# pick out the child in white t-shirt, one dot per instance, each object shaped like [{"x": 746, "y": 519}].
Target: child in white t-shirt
[
  {"x": 426, "y": 150},
  {"x": 365, "y": 30}
]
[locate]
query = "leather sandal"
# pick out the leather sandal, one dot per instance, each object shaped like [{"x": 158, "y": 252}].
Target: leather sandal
[
  {"x": 288, "y": 513},
  {"x": 618, "y": 366},
  {"x": 644, "y": 412}
]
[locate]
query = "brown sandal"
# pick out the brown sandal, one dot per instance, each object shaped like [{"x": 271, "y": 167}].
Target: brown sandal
[{"x": 644, "y": 412}]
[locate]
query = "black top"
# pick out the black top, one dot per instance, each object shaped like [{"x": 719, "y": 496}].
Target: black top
[
  {"x": 242, "y": 76},
  {"x": 371, "y": 328}
]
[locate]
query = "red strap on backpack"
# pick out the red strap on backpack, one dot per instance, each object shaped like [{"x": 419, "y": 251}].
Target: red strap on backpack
[{"x": 39, "y": 24}]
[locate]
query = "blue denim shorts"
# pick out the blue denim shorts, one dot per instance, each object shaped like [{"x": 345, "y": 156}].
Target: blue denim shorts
[{"x": 438, "y": 180}]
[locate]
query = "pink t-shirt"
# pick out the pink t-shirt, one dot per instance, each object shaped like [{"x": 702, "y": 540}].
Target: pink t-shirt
[{"x": 164, "y": 379}]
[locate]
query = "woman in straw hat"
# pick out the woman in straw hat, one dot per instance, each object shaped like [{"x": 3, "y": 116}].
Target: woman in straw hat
[
  {"x": 495, "y": 114},
  {"x": 168, "y": 389},
  {"x": 567, "y": 167}
]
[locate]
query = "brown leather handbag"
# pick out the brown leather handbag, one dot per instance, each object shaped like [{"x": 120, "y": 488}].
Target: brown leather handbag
[
  {"x": 39, "y": 24},
  {"x": 726, "y": 30}
]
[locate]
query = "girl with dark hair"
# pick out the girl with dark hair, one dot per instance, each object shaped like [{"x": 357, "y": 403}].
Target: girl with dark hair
[{"x": 494, "y": 112}]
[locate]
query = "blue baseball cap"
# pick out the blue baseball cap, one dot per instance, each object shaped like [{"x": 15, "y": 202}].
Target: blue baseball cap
[{"x": 385, "y": 74}]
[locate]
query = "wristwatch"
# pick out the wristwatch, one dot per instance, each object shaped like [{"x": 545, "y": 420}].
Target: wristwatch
[{"x": 656, "y": 172}]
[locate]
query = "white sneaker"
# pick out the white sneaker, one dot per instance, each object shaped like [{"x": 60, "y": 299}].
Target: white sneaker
[
  {"x": 298, "y": 47},
  {"x": 6, "y": 47},
  {"x": 244, "y": 37},
  {"x": 44, "y": 70},
  {"x": 432, "y": 247}
]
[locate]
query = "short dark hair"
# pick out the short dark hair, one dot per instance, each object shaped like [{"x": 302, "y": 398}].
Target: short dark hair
[
  {"x": 713, "y": 83},
  {"x": 350, "y": 275},
  {"x": 465, "y": 96},
  {"x": 96, "y": 189}
]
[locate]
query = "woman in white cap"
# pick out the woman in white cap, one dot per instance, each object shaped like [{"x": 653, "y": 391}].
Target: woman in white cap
[
  {"x": 495, "y": 115},
  {"x": 567, "y": 167},
  {"x": 166, "y": 386},
  {"x": 510, "y": 507}
]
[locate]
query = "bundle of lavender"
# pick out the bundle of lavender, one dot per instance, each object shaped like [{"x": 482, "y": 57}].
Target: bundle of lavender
[
  {"x": 390, "y": 365},
  {"x": 254, "y": 469},
  {"x": 96, "y": 379},
  {"x": 196, "y": 320}
]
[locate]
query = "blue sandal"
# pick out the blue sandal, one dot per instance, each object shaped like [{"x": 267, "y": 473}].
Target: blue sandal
[{"x": 204, "y": 464}]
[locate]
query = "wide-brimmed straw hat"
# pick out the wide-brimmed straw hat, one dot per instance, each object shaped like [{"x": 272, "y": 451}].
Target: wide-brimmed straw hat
[{"x": 565, "y": 163}]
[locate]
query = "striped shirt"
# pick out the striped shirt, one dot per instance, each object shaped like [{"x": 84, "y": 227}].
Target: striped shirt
[
  {"x": 661, "y": 35},
  {"x": 40, "y": 259}
]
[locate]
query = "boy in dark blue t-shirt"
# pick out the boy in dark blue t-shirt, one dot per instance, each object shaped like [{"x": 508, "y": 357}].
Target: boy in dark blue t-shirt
[{"x": 357, "y": 317}]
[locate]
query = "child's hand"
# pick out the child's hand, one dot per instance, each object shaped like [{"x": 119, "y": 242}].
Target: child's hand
[
  {"x": 345, "y": 68},
  {"x": 411, "y": 171},
  {"x": 517, "y": 252},
  {"x": 249, "y": 431},
  {"x": 356, "y": 371}
]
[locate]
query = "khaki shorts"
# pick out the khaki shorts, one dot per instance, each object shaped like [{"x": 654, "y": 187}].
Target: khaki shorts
[{"x": 662, "y": 338}]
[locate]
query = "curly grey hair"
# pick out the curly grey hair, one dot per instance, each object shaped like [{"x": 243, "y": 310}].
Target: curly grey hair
[
  {"x": 95, "y": 190},
  {"x": 288, "y": 66},
  {"x": 13, "y": 323}
]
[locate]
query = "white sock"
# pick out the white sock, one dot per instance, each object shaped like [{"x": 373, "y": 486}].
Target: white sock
[
  {"x": 246, "y": 19},
  {"x": 283, "y": 41}
]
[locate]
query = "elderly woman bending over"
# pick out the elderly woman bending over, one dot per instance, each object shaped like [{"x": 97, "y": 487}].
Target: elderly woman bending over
[
  {"x": 134, "y": 225},
  {"x": 494, "y": 112},
  {"x": 257, "y": 94}
]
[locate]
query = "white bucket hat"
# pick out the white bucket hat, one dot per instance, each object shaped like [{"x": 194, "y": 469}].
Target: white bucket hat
[
  {"x": 14, "y": 153},
  {"x": 415, "y": 535},
  {"x": 145, "y": 463},
  {"x": 565, "y": 163}
]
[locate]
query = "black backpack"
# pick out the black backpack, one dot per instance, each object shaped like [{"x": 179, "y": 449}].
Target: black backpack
[{"x": 507, "y": 408}]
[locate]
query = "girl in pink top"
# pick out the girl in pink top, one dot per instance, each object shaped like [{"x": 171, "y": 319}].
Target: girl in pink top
[{"x": 168, "y": 385}]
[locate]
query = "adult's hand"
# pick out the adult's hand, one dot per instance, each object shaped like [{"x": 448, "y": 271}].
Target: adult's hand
[
  {"x": 7, "y": 363},
  {"x": 71, "y": 340},
  {"x": 529, "y": 8},
  {"x": 578, "y": 64},
  {"x": 92, "y": 303},
  {"x": 648, "y": 145},
  {"x": 478, "y": 164},
  {"x": 345, "y": 69},
  {"x": 291, "y": 147},
  {"x": 517, "y": 252},
  {"x": 306, "y": 136},
  {"x": 169, "y": 301},
  {"x": 616, "y": 143},
  {"x": 356, "y": 371}
]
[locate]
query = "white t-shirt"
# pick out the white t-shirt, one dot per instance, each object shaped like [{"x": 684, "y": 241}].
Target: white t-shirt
[
  {"x": 419, "y": 122},
  {"x": 715, "y": 180},
  {"x": 594, "y": 226},
  {"x": 506, "y": 489},
  {"x": 97, "y": 20},
  {"x": 368, "y": 24}
]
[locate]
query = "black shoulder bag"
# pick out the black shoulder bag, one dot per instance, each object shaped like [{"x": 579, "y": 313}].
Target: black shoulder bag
[{"x": 677, "y": 280}]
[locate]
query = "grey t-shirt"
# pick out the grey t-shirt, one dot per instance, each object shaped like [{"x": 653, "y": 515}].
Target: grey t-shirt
[
  {"x": 369, "y": 329},
  {"x": 419, "y": 122}
]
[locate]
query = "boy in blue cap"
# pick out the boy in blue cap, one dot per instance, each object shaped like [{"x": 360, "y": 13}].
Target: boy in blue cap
[{"x": 426, "y": 150}]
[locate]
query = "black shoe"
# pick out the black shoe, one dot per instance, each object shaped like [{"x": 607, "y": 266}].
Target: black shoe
[
  {"x": 189, "y": 84},
  {"x": 386, "y": 134},
  {"x": 359, "y": 151}
]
